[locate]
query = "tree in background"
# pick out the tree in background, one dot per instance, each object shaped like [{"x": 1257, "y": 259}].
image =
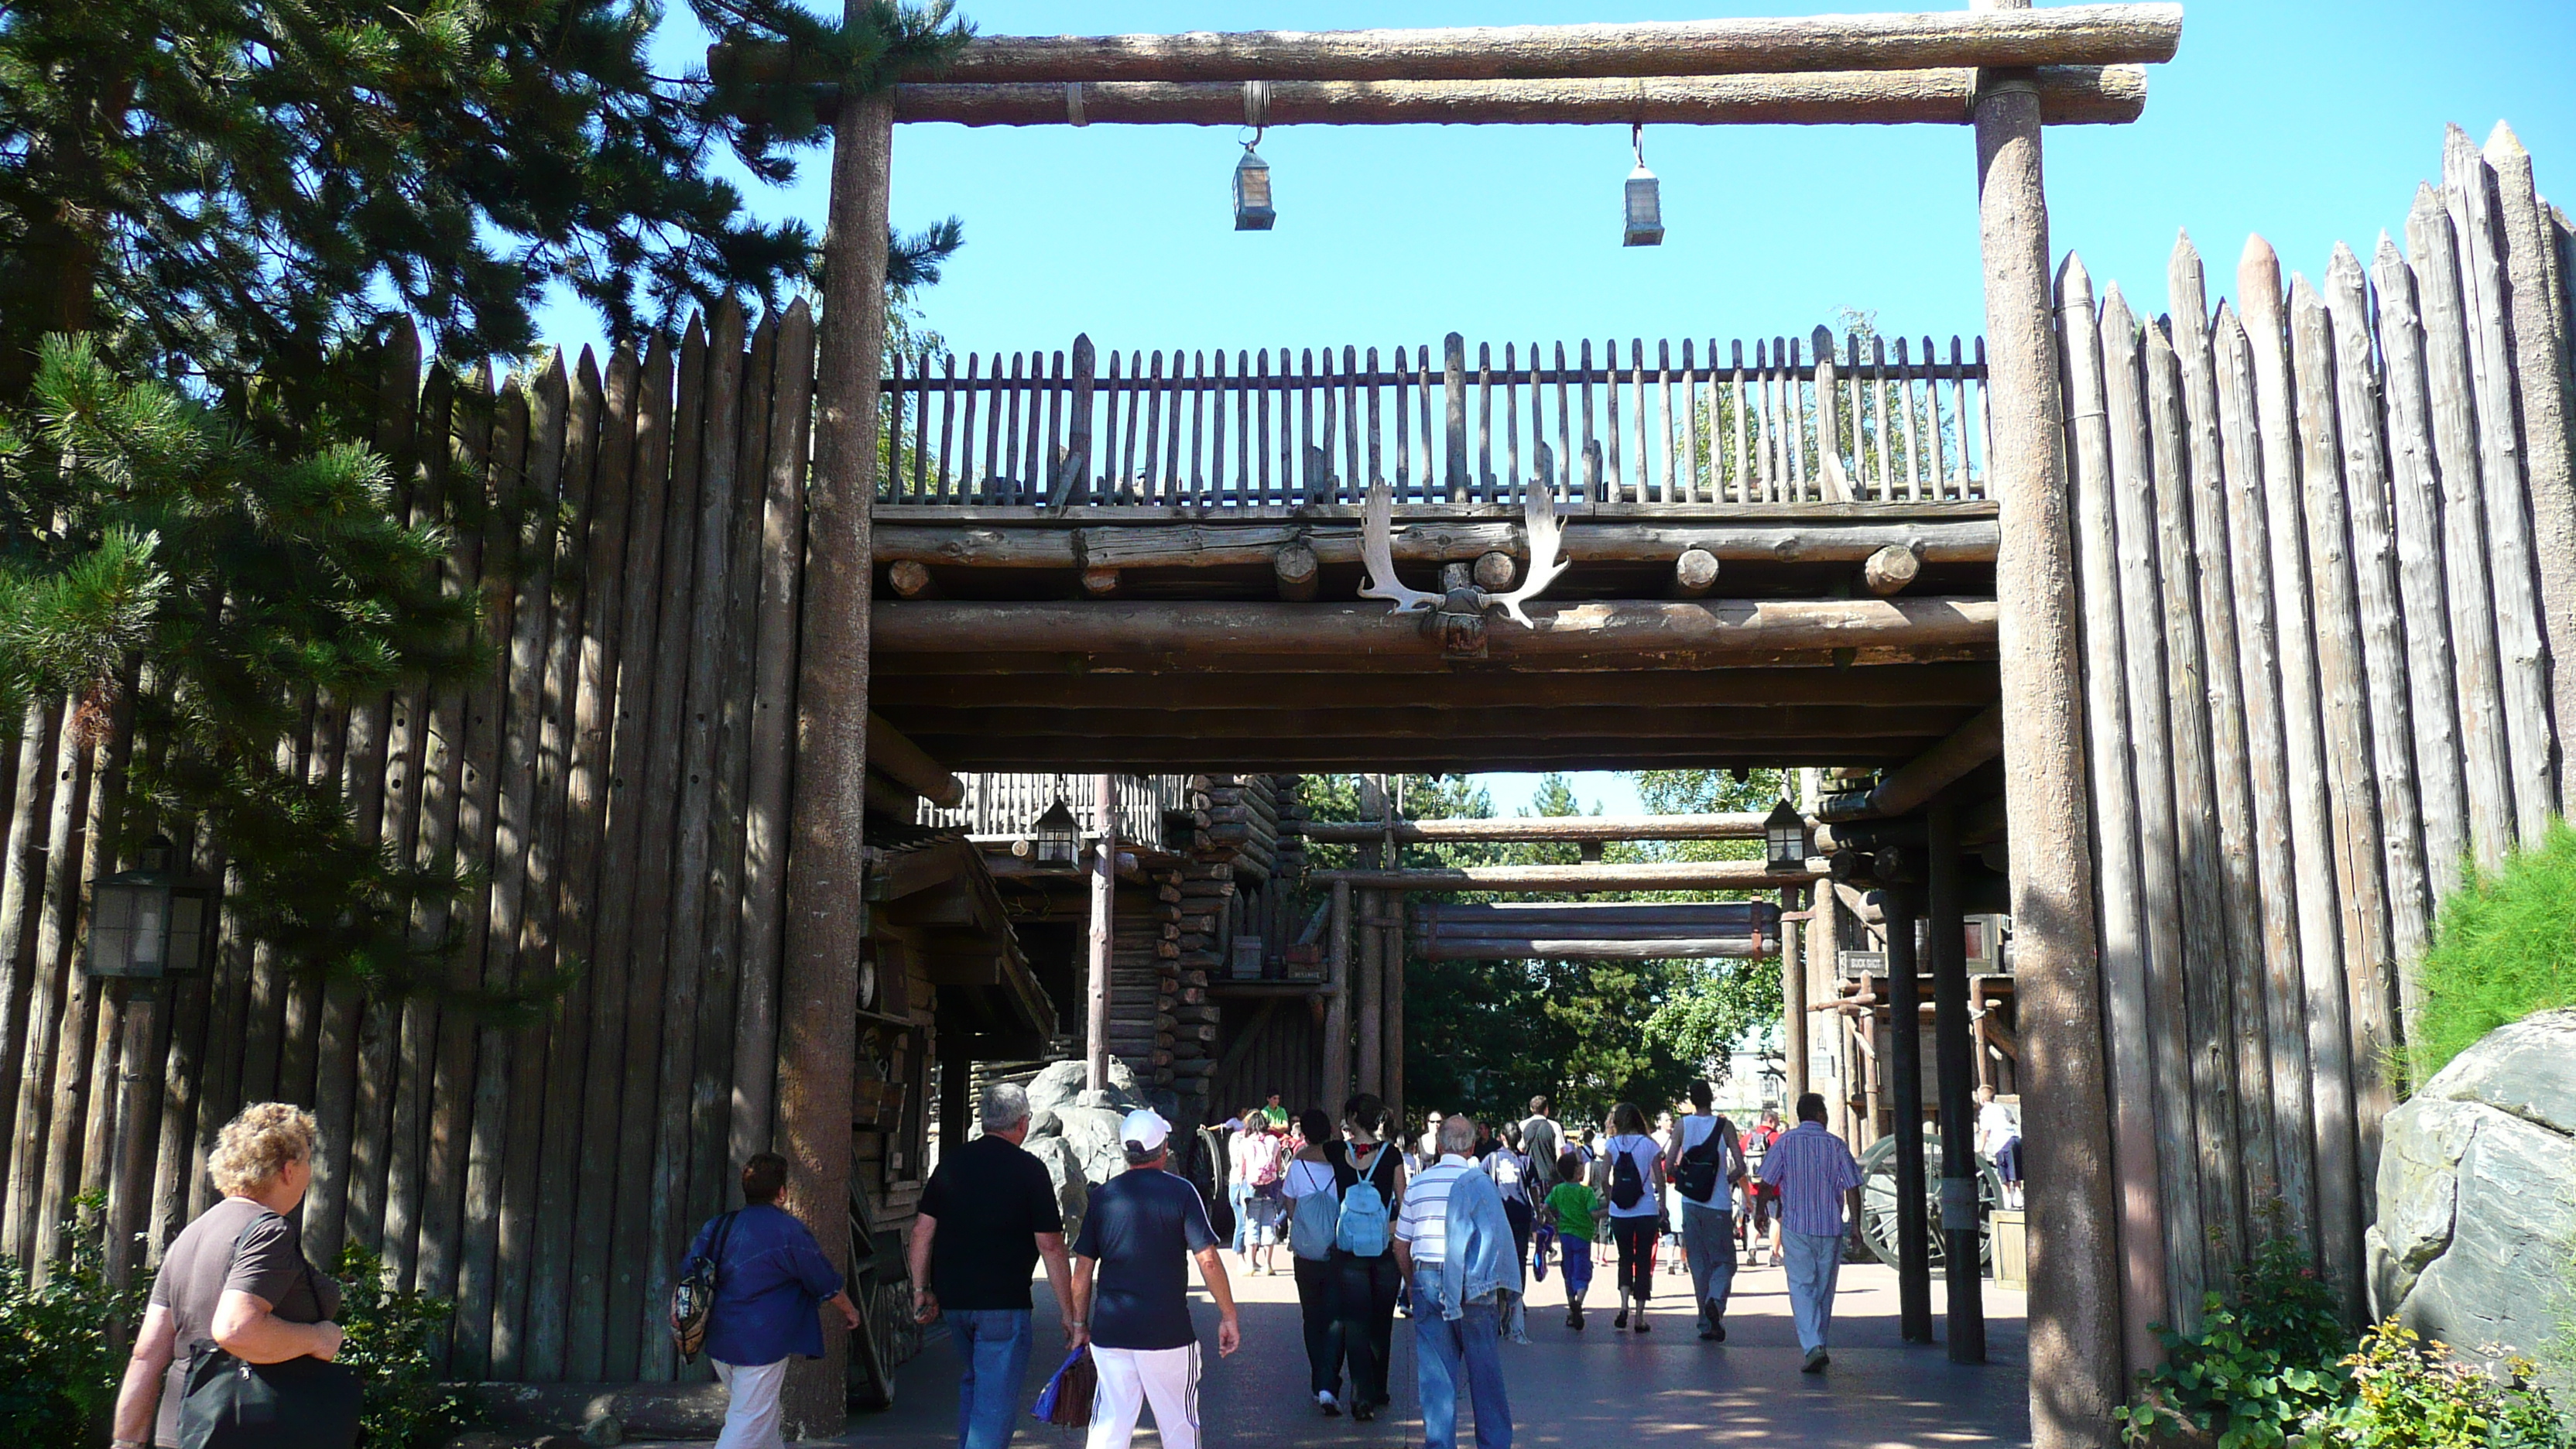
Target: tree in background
[
  {"x": 207, "y": 211},
  {"x": 1482, "y": 1036}
]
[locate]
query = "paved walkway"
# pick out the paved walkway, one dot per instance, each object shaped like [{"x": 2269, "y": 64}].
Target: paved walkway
[{"x": 1597, "y": 1389}]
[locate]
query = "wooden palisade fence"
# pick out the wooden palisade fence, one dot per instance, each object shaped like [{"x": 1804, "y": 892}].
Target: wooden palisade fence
[
  {"x": 617, "y": 786},
  {"x": 1676, "y": 426},
  {"x": 2323, "y": 542}
]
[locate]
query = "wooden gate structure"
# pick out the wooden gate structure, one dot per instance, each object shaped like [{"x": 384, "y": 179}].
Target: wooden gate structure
[{"x": 2210, "y": 646}]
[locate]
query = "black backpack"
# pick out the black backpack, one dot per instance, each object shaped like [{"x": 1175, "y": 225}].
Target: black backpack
[
  {"x": 1695, "y": 1172},
  {"x": 1627, "y": 1184}
]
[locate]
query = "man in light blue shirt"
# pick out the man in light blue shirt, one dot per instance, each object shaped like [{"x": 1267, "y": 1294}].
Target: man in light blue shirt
[
  {"x": 1813, "y": 1169},
  {"x": 1451, "y": 1338}
]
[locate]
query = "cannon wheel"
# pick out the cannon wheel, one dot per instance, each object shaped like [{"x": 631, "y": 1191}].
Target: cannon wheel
[
  {"x": 882, "y": 1292},
  {"x": 1878, "y": 1201}
]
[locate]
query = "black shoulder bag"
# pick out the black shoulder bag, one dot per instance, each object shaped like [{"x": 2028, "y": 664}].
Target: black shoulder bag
[
  {"x": 303, "y": 1403},
  {"x": 693, "y": 1299}
]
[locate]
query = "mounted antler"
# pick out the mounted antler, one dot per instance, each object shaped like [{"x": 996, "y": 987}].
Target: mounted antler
[
  {"x": 1377, "y": 550},
  {"x": 1546, "y": 538}
]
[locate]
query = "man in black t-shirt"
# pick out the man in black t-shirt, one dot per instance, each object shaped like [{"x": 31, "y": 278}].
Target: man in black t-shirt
[
  {"x": 1142, "y": 1228},
  {"x": 986, "y": 1218}
]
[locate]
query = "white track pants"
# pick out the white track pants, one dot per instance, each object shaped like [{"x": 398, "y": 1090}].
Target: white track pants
[
  {"x": 751, "y": 1414},
  {"x": 1132, "y": 1377}
]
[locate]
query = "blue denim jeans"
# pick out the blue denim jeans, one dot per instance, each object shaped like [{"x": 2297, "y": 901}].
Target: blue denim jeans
[
  {"x": 993, "y": 1360},
  {"x": 1443, "y": 1349}
]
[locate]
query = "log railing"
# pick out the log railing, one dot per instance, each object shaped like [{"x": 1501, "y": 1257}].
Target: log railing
[
  {"x": 1673, "y": 424},
  {"x": 1009, "y": 804}
]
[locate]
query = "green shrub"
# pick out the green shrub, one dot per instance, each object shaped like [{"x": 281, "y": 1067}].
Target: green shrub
[
  {"x": 2504, "y": 947},
  {"x": 2409, "y": 1393},
  {"x": 389, "y": 1332},
  {"x": 61, "y": 1369},
  {"x": 2260, "y": 1366}
]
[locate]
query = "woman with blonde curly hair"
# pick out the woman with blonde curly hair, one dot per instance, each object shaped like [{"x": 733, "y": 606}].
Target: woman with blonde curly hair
[{"x": 236, "y": 1348}]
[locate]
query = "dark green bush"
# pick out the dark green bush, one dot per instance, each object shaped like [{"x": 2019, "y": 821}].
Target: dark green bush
[
  {"x": 2504, "y": 947},
  {"x": 61, "y": 1370},
  {"x": 2260, "y": 1366},
  {"x": 389, "y": 1332}
]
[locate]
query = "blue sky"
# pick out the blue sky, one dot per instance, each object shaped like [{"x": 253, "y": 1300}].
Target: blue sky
[{"x": 2308, "y": 120}]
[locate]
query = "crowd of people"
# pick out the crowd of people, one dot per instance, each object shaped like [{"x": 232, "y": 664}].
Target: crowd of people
[{"x": 1455, "y": 1228}]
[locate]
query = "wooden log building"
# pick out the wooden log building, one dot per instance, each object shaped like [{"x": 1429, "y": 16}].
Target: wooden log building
[{"x": 2208, "y": 647}]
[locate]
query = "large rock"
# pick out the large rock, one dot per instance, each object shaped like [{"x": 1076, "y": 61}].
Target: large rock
[
  {"x": 1064, "y": 1169},
  {"x": 1092, "y": 1135},
  {"x": 1058, "y": 1087},
  {"x": 2477, "y": 1219}
]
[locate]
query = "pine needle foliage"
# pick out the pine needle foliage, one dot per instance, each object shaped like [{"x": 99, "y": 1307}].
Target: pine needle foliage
[
  {"x": 2504, "y": 948},
  {"x": 154, "y": 558},
  {"x": 235, "y": 189}
]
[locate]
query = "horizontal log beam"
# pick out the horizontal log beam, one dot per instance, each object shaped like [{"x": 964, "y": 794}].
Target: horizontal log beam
[
  {"x": 1750, "y": 723},
  {"x": 1910, "y": 788},
  {"x": 2058, "y": 35},
  {"x": 1577, "y": 949},
  {"x": 1602, "y": 914},
  {"x": 908, "y": 765},
  {"x": 1164, "y": 754},
  {"x": 1620, "y": 629},
  {"x": 1251, "y": 545},
  {"x": 1677, "y": 875},
  {"x": 2068, "y": 95},
  {"x": 1956, "y": 686},
  {"x": 1736, "y": 825},
  {"x": 1869, "y": 673}
]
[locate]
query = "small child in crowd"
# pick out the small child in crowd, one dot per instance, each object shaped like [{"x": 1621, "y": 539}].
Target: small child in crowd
[{"x": 1571, "y": 1208}]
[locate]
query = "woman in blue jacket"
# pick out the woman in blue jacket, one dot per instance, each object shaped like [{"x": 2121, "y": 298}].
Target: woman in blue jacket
[{"x": 772, "y": 1282}]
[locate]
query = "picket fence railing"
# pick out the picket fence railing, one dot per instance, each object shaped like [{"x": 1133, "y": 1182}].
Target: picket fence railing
[{"x": 1670, "y": 424}]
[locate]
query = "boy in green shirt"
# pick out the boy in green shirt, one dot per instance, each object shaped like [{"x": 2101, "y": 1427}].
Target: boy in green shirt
[{"x": 1574, "y": 1206}]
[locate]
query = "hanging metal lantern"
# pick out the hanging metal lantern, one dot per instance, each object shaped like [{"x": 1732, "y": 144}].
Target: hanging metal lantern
[
  {"x": 1252, "y": 210},
  {"x": 1645, "y": 202},
  {"x": 1058, "y": 837},
  {"x": 1784, "y": 837},
  {"x": 149, "y": 922}
]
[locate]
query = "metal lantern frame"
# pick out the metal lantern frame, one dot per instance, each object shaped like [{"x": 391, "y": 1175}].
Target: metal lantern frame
[
  {"x": 151, "y": 921},
  {"x": 1642, "y": 213},
  {"x": 1252, "y": 205},
  {"x": 1057, "y": 836},
  {"x": 1784, "y": 837}
]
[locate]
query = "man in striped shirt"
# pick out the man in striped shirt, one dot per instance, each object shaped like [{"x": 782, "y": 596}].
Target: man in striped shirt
[{"x": 1813, "y": 1170}]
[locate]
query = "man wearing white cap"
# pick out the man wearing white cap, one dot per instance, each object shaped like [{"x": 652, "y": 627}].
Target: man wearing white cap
[{"x": 1142, "y": 1228}]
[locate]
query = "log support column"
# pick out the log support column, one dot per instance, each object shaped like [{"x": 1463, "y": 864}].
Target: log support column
[
  {"x": 1905, "y": 1120},
  {"x": 1793, "y": 998},
  {"x": 1337, "y": 1006},
  {"x": 1953, "y": 1058},
  {"x": 2075, "y": 1367},
  {"x": 1104, "y": 907},
  {"x": 819, "y": 986}
]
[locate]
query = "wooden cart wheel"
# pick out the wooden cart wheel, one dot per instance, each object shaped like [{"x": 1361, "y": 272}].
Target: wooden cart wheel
[{"x": 1878, "y": 1202}]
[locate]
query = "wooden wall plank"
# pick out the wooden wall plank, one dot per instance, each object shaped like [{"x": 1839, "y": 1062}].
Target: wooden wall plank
[
  {"x": 22, "y": 895},
  {"x": 636, "y": 1289},
  {"x": 2338, "y": 1210},
  {"x": 2120, "y": 888},
  {"x": 615, "y": 1054},
  {"x": 2241, "y": 901},
  {"x": 2258, "y": 649},
  {"x": 546, "y": 1074},
  {"x": 779, "y": 563},
  {"x": 51, "y": 983},
  {"x": 2151, "y": 734}
]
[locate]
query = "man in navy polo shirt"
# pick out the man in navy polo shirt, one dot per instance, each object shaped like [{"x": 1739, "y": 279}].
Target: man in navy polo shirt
[{"x": 1141, "y": 1230}]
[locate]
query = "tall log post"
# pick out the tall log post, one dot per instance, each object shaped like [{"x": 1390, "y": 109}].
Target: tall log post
[
  {"x": 818, "y": 987},
  {"x": 1104, "y": 930},
  {"x": 1905, "y": 1119},
  {"x": 1953, "y": 1058},
  {"x": 1337, "y": 1007},
  {"x": 1793, "y": 995},
  {"x": 2074, "y": 1322},
  {"x": 1372, "y": 1027}
]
